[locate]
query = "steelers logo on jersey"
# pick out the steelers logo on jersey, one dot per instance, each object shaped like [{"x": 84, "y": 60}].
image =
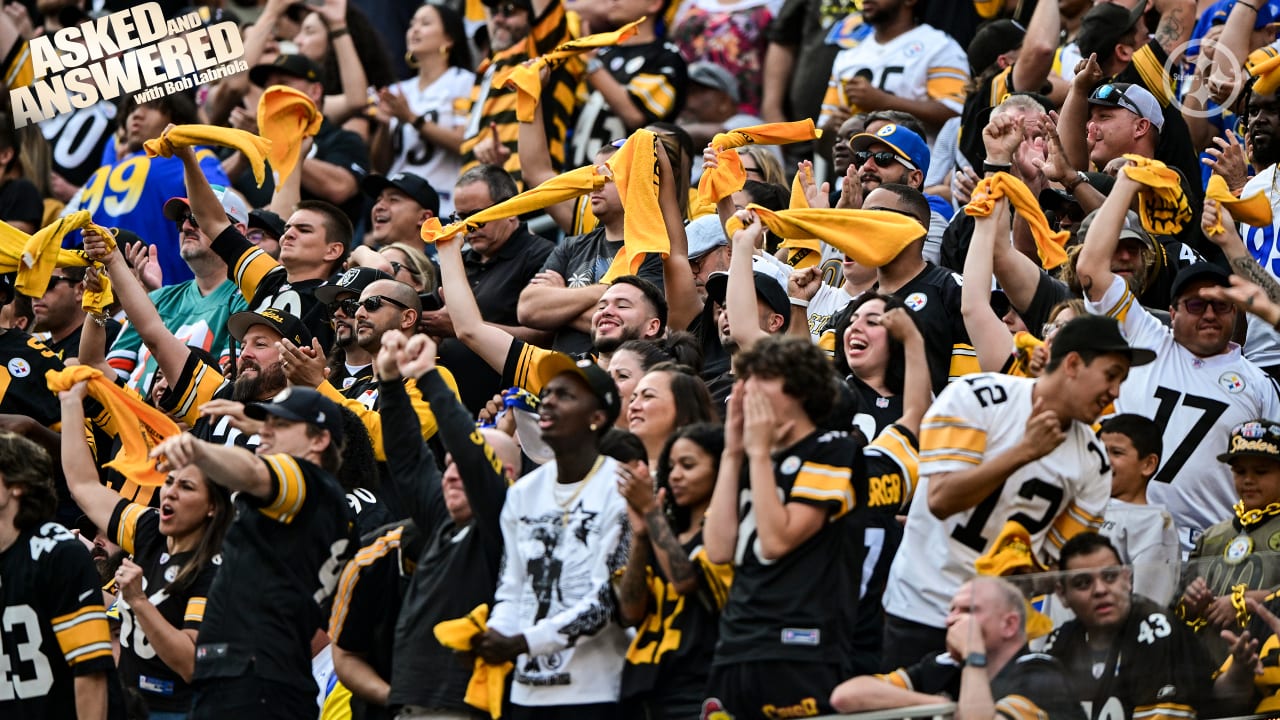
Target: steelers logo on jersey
[
  {"x": 1273, "y": 542},
  {"x": 917, "y": 301},
  {"x": 1231, "y": 382},
  {"x": 790, "y": 465},
  {"x": 1238, "y": 550},
  {"x": 19, "y": 367}
]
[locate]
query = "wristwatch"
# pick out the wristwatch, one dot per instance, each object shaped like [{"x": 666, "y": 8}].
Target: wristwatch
[
  {"x": 976, "y": 659},
  {"x": 1071, "y": 184}
]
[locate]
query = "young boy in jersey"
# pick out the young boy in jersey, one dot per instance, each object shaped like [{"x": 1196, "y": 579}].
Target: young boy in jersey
[
  {"x": 1143, "y": 534},
  {"x": 1237, "y": 555},
  {"x": 782, "y": 486},
  {"x": 640, "y": 81}
]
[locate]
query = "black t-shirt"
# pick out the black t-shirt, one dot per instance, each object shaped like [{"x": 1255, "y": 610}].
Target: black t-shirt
[
  {"x": 198, "y": 384},
  {"x": 496, "y": 285},
  {"x": 583, "y": 260},
  {"x": 458, "y": 567},
  {"x": 69, "y": 346},
  {"x": 795, "y": 608},
  {"x": 54, "y": 625},
  {"x": 873, "y": 412},
  {"x": 934, "y": 297},
  {"x": 20, "y": 201},
  {"x": 655, "y": 78},
  {"x": 281, "y": 560},
  {"x": 1033, "y": 678},
  {"x": 332, "y": 145},
  {"x": 137, "y": 529},
  {"x": 1155, "y": 660}
]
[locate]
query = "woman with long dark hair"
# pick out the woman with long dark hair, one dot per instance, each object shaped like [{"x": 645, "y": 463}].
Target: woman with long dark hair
[
  {"x": 175, "y": 555},
  {"x": 670, "y": 591},
  {"x": 871, "y": 360},
  {"x": 667, "y": 397}
]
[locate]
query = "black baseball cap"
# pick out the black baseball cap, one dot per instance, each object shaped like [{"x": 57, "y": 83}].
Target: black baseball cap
[
  {"x": 282, "y": 322},
  {"x": 596, "y": 377},
  {"x": 408, "y": 183},
  {"x": 354, "y": 280},
  {"x": 1197, "y": 272},
  {"x": 1104, "y": 25},
  {"x": 301, "y": 404},
  {"x": 1100, "y": 334},
  {"x": 295, "y": 65},
  {"x": 770, "y": 287},
  {"x": 1260, "y": 437},
  {"x": 993, "y": 39},
  {"x": 268, "y": 221}
]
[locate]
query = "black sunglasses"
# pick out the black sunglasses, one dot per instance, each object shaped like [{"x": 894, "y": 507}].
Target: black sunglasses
[
  {"x": 1197, "y": 306},
  {"x": 397, "y": 267},
  {"x": 883, "y": 158},
  {"x": 349, "y": 306},
  {"x": 458, "y": 217},
  {"x": 373, "y": 303}
]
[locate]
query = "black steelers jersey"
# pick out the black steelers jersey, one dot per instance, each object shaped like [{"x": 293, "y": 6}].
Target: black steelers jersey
[
  {"x": 1031, "y": 685},
  {"x": 933, "y": 297},
  {"x": 199, "y": 383},
  {"x": 23, "y": 390}
]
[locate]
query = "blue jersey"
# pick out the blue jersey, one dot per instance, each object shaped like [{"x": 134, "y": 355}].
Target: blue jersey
[{"x": 130, "y": 194}]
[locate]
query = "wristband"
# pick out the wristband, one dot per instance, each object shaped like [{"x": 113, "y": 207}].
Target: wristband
[
  {"x": 976, "y": 660},
  {"x": 335, "y": 34},
  {"x": 1071, "y": 186},
  {"x": 1254, "y": 8},
  {"x": 799, "y": 302},
  {"x": 417, "y": 122},
  {"x": 995, "y": 167}
]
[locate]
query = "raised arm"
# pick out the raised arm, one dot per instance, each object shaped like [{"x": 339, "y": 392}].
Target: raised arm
[
  {"x": 720, "y": 524},
  {"x": 683, "y": 304},
  {"x": 917, "y": 390},
  {"x": 740, "y": 291},
  {"x": 95, "y": 499},
  {"x": 1074, "y": 117},
  {"x": 205, "y": 205},
  {"x": 991, "y": 338},
  {"x": 232, "y": 467},
  {"x": 1177, "y": 20},
  {"x": 354, "y": 97},
  {"x": 536, "y": 166},
  {"x": 1093, "y": 266},
  {"x": 491, "y": 343},
  {"x": 1035, "y": 59}
]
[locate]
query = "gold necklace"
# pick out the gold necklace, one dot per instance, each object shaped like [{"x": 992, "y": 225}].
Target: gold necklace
[
  {"x": 564, "y": 506},
  {"x": 1253, "y": 517}
]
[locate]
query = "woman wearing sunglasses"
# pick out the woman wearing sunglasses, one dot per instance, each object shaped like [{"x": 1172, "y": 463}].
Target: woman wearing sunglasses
[{"x": 174, "y": 556}]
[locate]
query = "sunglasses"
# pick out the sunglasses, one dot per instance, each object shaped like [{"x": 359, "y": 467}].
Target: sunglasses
[
  {"x": 883, "y": 158},
  {"x": 1197, "y": 306},
  {"x": 1113, "y": 94},
  {"x": 373, "y": 303},
  {"x": 188, "y": 218},
  {"x": 55, "y": 279},
  {"x": 458, "y": 217},
  {"x": 349, "y": 306},
  {"x": 397, "y": 267},
  {"x": 1082, "y": 580}
]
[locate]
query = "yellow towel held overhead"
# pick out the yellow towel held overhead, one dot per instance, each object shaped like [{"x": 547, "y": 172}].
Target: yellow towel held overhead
[
  {"x": 564, "y": 186},
  {"x": 1264, "y": 64},
  {"x": 1254, "y": 210},
  {"x": 1162, "y": 204},
  {"x": 42, "y": 252},
  {"x": 255, "y": 148},
  {"x": 527, "y": 78},
  {"x": 1049, "y": 244},
  {"x": 870, "y": 237},
  {"x": 485, "y": 689},
  {"x": 139, "y": 426},
  {"x": 285, "y": 116},
  {"x": 729, "y": 177},
  {"x": 802, "y": 252},
  {"x": 635, "y": 172}
]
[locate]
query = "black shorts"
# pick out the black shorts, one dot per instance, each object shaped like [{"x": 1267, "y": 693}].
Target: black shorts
[
  {"x": 770, "y": 690},
  {"x": 251, "y": 698},
  {"x": 906, "y": 641}
]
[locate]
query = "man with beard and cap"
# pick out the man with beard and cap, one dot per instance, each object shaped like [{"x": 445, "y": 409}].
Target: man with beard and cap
[
  {"x": 384, "y": 305},
  {"x": 351, "y": 366},
  {"x": 1200, "y": 385},
  {"x": 196, "y": 309},
  {"x": 198, "y": 394}
]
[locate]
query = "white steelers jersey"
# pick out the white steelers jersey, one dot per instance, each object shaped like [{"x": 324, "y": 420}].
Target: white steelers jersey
[
  {"x": 1063, "y": 493},
  {"x": 923, "y": 63},
  {"x": 1195, "y": 401},
  {"x": 1262, "y": 342}
]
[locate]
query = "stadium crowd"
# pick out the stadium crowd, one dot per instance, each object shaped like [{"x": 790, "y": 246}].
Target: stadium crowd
[{"x": 648, "y": 359}]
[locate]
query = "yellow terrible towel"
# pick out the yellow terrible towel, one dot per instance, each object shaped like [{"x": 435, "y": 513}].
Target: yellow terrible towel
[
  {"x": 42, "y": 251},
  {"x": 635, "y": 172},
  {"x": 1049, "y": 244},
  {"x": 285, "y": 116},
  {"x": 526, "y": 78},
  {"x": 255, "y": 148},
  {"x": 1264, "y": 64},
  {"x": 1011, "y": 555},
  {"x": 487, "y": 681},
  {"x": 1254, "y": 210},
  {"x": 870, "y": 237},
  {"x": 139, "y": 426},
  {"x": 802, "y": 252},
  {"x": 563, "y": 187},
  {"x": 1162, "y": 205},
  {"x": 729, "y": 177}
]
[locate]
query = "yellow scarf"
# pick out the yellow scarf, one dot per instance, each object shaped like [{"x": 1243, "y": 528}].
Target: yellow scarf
[
  {"x": 139, "y": 426},
  {"x": 635, "y": 172},
  {"x": 1162, "y": 205},
  {"x": 33, "y": 257},
  {"x": 1011, "y": 555},
  {"x": 526, "y": 78},
  {"x": 802, "y": 252},
  {"x": 255, "y": 148},
  {"x": 285, "y": 116},
  {"x": 1254, "y": 210},
  {"x": 729, "y": 177},
  {"x": 484, "y": 691},
  {"x": 565, "y": 186},
  {"x": 871, "y": 237},
  {"x": 1264, "y": 64},
  {"x": 1049, "y": 244}
]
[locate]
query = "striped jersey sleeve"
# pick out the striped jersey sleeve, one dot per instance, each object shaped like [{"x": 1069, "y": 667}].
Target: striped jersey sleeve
[
  {"x": 288, "y": 488},
  {"x": 825, "y": 484},
  {"x": 953, "y": 434}
]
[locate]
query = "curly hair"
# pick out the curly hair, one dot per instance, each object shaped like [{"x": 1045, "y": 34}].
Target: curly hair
[{"x": 806, "y": 373}]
